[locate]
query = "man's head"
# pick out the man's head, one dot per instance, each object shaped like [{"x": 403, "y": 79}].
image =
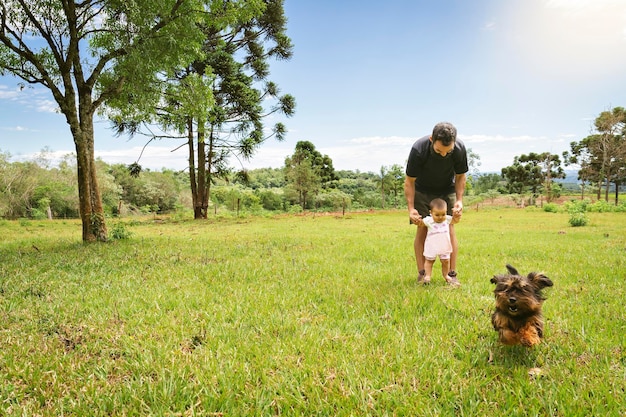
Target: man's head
[
  {"x": 443, "y": 138},
  {"x": 445, "y": 133}
]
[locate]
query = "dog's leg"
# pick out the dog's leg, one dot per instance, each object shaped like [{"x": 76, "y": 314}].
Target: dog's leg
[
  {"x": 508, "y": 337},
  {"x": 529, "y": 336},
  {"x": 501, "y": 324}
]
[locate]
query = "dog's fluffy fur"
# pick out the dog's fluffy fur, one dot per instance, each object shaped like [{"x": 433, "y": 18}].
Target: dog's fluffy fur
[{"x": 517, "y": 317}]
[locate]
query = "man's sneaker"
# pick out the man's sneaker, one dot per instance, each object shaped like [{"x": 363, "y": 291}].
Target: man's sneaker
[
  {"x": 452, "y": 280},
  {"x": 420, "y": 277}
]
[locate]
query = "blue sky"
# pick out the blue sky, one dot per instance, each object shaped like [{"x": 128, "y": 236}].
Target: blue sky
[{"x": 369, "y": 78}]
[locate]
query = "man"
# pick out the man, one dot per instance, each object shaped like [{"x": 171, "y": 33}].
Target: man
[{"x": 436, "y": 168}]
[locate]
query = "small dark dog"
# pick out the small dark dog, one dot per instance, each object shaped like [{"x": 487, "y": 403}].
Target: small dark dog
[{"x": 518, "y": 318}]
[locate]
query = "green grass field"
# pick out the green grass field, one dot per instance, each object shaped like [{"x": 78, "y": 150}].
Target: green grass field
[{"x": 311, "y": 316}]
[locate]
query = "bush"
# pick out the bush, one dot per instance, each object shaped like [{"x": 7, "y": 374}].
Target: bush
[
  {"x": 576, "y": 210},
  {"x": 550, "y": 208},
  {"x": 294, "y": 209},
  {"x": 119, "y": 232},
  {"x": 578, "y": 219},
  {"x": 333, "y": 200},
  {"x": 601, "y": 206},
  {"x": 270, "y": 200},
  {"x": 577, "y": 206}
]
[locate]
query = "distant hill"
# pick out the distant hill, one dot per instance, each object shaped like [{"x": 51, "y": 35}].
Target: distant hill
[{"x": 571, "y": 176}]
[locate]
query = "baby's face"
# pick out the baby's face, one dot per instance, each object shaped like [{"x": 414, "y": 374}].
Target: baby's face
[{"x": 439, "y": 215}]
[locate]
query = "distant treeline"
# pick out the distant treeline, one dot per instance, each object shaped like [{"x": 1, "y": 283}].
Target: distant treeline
[{"x": 39, "y": 189}]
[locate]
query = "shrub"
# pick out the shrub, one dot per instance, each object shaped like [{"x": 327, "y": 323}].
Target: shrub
[
  {"x": 550, "y": 208},
  {"x": 577, "y": 206},
  {"x": 578, "y": 219},
  {"x": 333, "y": 200},
  {"x": 576, "y": 210},
  {"x": 601, "y": 206},
  {"x": 271, "y": 200},
  {"x": 119, "y": 232}
]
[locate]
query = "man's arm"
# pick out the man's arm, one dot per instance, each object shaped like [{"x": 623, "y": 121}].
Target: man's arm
[
  {"x": 459, "y": 189},
  {"x": 409, "y": 193}
]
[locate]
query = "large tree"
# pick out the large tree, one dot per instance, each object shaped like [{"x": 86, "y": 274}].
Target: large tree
[
  {"x": 92, "y": 52},
  {"x": 218, "y": 103},
  {"x": 390, "y": 181},
  {"x": 610, "y": 148},
  {"x": 580, "y": 154},
  {"x": 307, "y": 171},
  {"x": 244, "y": 96},
  {"x": 602, "y": 155},
  {"x": 533, "y": 172}
]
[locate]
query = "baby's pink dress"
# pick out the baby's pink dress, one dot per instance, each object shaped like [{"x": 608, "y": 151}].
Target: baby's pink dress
[{"x": 438, "y": 238}]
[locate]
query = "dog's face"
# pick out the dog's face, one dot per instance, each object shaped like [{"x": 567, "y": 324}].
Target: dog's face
[{"x": 518, "y": 296}]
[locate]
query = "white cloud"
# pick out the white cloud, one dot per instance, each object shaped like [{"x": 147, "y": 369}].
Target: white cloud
[
  {"x": 47, "y": 106},
  {"x": 369, "y": 154},
  {"x": 512, "y": 140},
  {"x": 153, "y": 157},
  {"x": 383, "y": 140},
  {"x": 579, "y": 6},
  {"x": 268, "y": 156},
  {"x": 16, "y": 129},
  {"x": 489, "y": 26},
  {"x": 8, "y": 94},
  {"x": 366, "y": 154}
]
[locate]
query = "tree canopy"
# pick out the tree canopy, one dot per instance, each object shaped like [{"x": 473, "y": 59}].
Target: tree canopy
[
  {"x": 308, "y": 171},
  {"x": 101, "y": 52},
  {"x": 534, "y": 173},
  {"x": 218, "y": 102},
  {"x": 602, "y": 155}
]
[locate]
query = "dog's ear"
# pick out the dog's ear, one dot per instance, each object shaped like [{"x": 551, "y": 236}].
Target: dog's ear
[
  {"x": 496, "y": 279},
  {"x": 539, "y": 280},
  {"x": 512, "y": 270}
]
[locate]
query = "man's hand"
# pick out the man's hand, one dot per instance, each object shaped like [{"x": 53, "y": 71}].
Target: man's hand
[
  {"x": 415, "y": 217},
  {"x": 457, "y": 210}
]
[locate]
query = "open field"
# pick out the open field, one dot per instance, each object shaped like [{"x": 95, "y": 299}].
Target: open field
[{"x": 307, "y": 315}]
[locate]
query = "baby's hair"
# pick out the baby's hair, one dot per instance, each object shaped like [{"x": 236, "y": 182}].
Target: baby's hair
[{"x": 438, "y": 204}]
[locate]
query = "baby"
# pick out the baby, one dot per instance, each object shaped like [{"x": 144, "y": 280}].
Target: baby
[{"x": 438, "y": 238}]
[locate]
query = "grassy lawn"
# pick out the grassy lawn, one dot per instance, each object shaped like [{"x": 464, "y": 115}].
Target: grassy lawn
[{"x": 307, "y": 316}]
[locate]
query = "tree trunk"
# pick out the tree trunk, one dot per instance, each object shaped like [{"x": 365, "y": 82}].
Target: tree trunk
[
  {"x": 192, "y": 166},
  {"x": 197, "y": 176},
  {"x": 201, "y": 206},
  {"x": 209, "y": 162},
  {"x": 582, "y": 191},
  {"x": 91, "y": 210}
]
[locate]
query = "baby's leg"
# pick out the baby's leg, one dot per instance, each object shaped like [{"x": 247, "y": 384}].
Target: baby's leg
[
  {"x": 445, "y": 267},
  {"x": 428, "y": 268}
]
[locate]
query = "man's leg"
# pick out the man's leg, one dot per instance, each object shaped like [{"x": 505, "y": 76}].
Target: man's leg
[
  {"x": 422, "y": 205},
  {"x": 455, "y": 248},
  {"x": 451, "y": 275},
  {"x": 418, "y": 246}
]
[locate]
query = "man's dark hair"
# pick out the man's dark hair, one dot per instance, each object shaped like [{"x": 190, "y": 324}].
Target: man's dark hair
[{"x": 445, "y": 133}]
